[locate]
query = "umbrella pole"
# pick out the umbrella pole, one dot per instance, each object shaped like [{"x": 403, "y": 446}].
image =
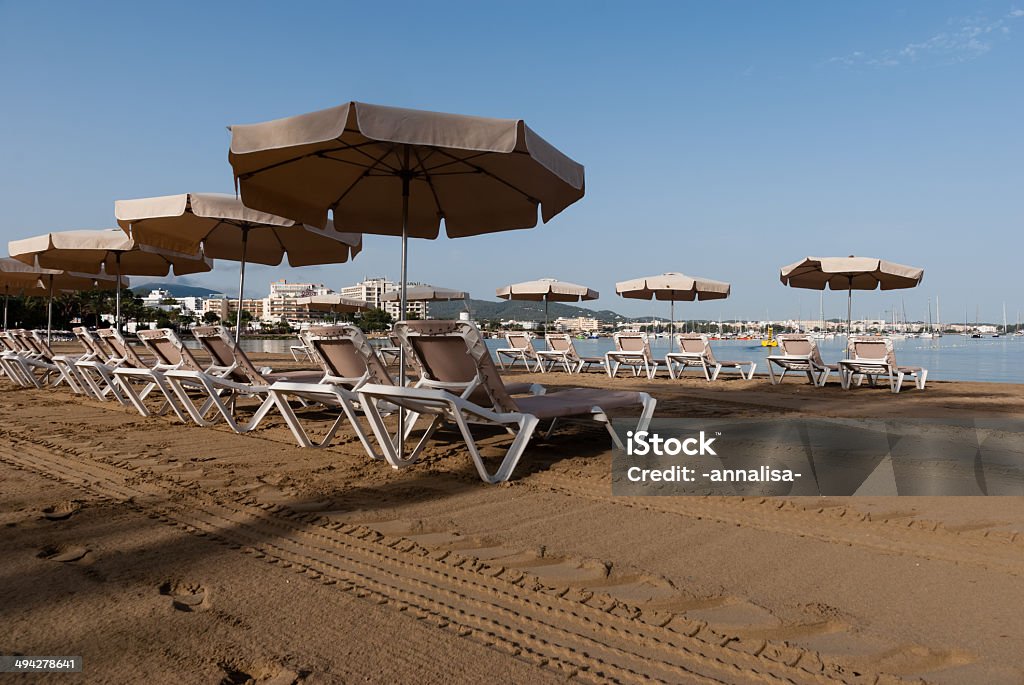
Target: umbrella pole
[
  {"x": 7, "y": 295},
  {"x": 400, "y": 438},
  {"x": 117, "y": 299},
  {"x": 241, "y": 286},
  {"x": 672, "y": 328},
  {"x": 545, "y": 314},
  {"x": 849, "y": 314},
  {"x": 49, "y": 313}
]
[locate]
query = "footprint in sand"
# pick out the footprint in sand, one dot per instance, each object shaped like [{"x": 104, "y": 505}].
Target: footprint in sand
[
  {"x": 62, "y": 510},
  {"x": 186, "y": 596},
  {"x": 63, "y": 553},
  {"x": 256, "y": 675}
]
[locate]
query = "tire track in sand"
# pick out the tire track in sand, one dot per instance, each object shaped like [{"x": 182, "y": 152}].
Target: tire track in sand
[{"x": 498, "y": 607}]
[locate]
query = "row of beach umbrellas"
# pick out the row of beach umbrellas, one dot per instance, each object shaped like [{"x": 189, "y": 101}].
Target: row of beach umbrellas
[{"x": 358, "y": 168}]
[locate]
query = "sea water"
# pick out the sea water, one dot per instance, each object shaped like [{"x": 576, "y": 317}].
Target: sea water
[{"x": 951, "y": 357}]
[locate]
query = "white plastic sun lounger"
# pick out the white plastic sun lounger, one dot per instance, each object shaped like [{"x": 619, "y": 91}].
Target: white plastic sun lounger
[
  {"x": 231, "y": 375},
  {"x": 695, "y": 350},
  {"x": 461, "y": 385},
  {"x": 348, "y": 361},
  {"x": 800, "y": 353},
  {"x": 874, "y": 357},
  {"x": 34, "y": 364},
  {"x": 562, "y": 351},
  {"x": 520, "y": 348},
  {"x": 170, "y": 355},
  {"x": 634, "y": 351}
]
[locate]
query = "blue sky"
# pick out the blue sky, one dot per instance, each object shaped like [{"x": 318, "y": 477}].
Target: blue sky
[{"x": 720, "y": 139}]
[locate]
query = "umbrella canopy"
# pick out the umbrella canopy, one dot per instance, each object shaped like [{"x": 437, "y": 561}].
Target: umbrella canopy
[
  {"x": 19, "y": 277},
  {"x": 425, "y": 293},
  {"x": 547, "y": 290},
  {"x": 357, "y": 160},
  {"x": 396, "y": 171},
  {"x": 849, "y": 274},
  {"x": 223, "y": 228},
  {"x": 16, "y": 275},
  {"x": 107, "y": 250},
  {"x": 335, "y": 304},
  {"x": 673, "y": 287}
]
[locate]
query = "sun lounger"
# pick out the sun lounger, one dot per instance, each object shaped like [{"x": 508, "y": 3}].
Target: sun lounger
[
  {"x": 461, "y": 385},
  {"x": 96, "y": 367},
  {"x": 520, "y": 347},
  {"x": 800, "y": 353},
  {"x": 34, "y": 364},
  {"x": 874, "y": 357},
  {"x": 695, "y": 350},
  {"x": 169, "y": 354},
  {"x": 301, "y": 352},
  {"x": 632, "y": 350},
  {"x": 562, "y": 350},
  {"x": 389, "y": 353},
  {"x": 231, "y": 375},
  {"x": 348, "y": 361}
]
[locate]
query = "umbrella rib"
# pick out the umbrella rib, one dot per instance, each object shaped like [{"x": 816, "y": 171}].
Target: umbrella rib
[
  {"x": 430, "y": 183},
  {"x": 316, "y": 153},
  {"x": 369, "y": 169},
  {"x": 481, "y": 170}
]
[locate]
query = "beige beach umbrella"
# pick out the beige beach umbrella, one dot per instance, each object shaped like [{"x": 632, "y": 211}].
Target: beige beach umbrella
[
  {"x": 394, "y": 171},
  {"x": 674, "y": 287},
  {"x": 425, "y": 293},
  {"x": 547, "y": 290},
  {"x": 332, "y": 303},
  {"x": 19, "y": 277},
  {"x": 108, "y": 251},
  {"x": 221, "y": 227},
  {"x": 849, "y": 274}
]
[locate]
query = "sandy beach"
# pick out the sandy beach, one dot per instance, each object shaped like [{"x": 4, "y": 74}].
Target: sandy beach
[{"x": 156, "y": 550}]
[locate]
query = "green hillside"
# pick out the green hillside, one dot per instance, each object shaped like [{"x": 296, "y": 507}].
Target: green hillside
[{"x": 175, "y": 289}]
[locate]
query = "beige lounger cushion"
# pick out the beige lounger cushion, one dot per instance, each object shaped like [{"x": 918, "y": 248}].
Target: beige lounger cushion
[{"x": 576, "y": 401}]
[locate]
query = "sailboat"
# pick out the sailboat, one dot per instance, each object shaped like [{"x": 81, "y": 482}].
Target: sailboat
[{"x": 927, "y": 332}]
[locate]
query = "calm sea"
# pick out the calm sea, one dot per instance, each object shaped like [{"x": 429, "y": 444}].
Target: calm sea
[{"x": 952, "y": 357}]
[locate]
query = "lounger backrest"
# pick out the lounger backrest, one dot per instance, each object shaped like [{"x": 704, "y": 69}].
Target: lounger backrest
[
  {"x": 697, "y": 343},
  {"x": 165, "y": 345},
  {"x": 633, "y": 342},
  {"x": 13, "y": 341},
  {"x": 85, "y": 339},
  {"x": 121, "y": 348},
  {"x": 519, "y": 341},
  {"x": 35, "y": 340},
  {"x": 4, "y": 345},
  {"x": 561, "y": 342},
  {"x": 796, "y": 344},
  {"x": 345, "y": 354},
  {"x": 455, "y": 352},
  {"x": 873, "y": 349},
  {"x": 221, "y": 347}
]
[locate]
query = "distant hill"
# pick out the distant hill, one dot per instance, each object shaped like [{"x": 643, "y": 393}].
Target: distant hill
[
  {"x": 519, "y": 310},
  {"x": 175, "y": 289}
]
